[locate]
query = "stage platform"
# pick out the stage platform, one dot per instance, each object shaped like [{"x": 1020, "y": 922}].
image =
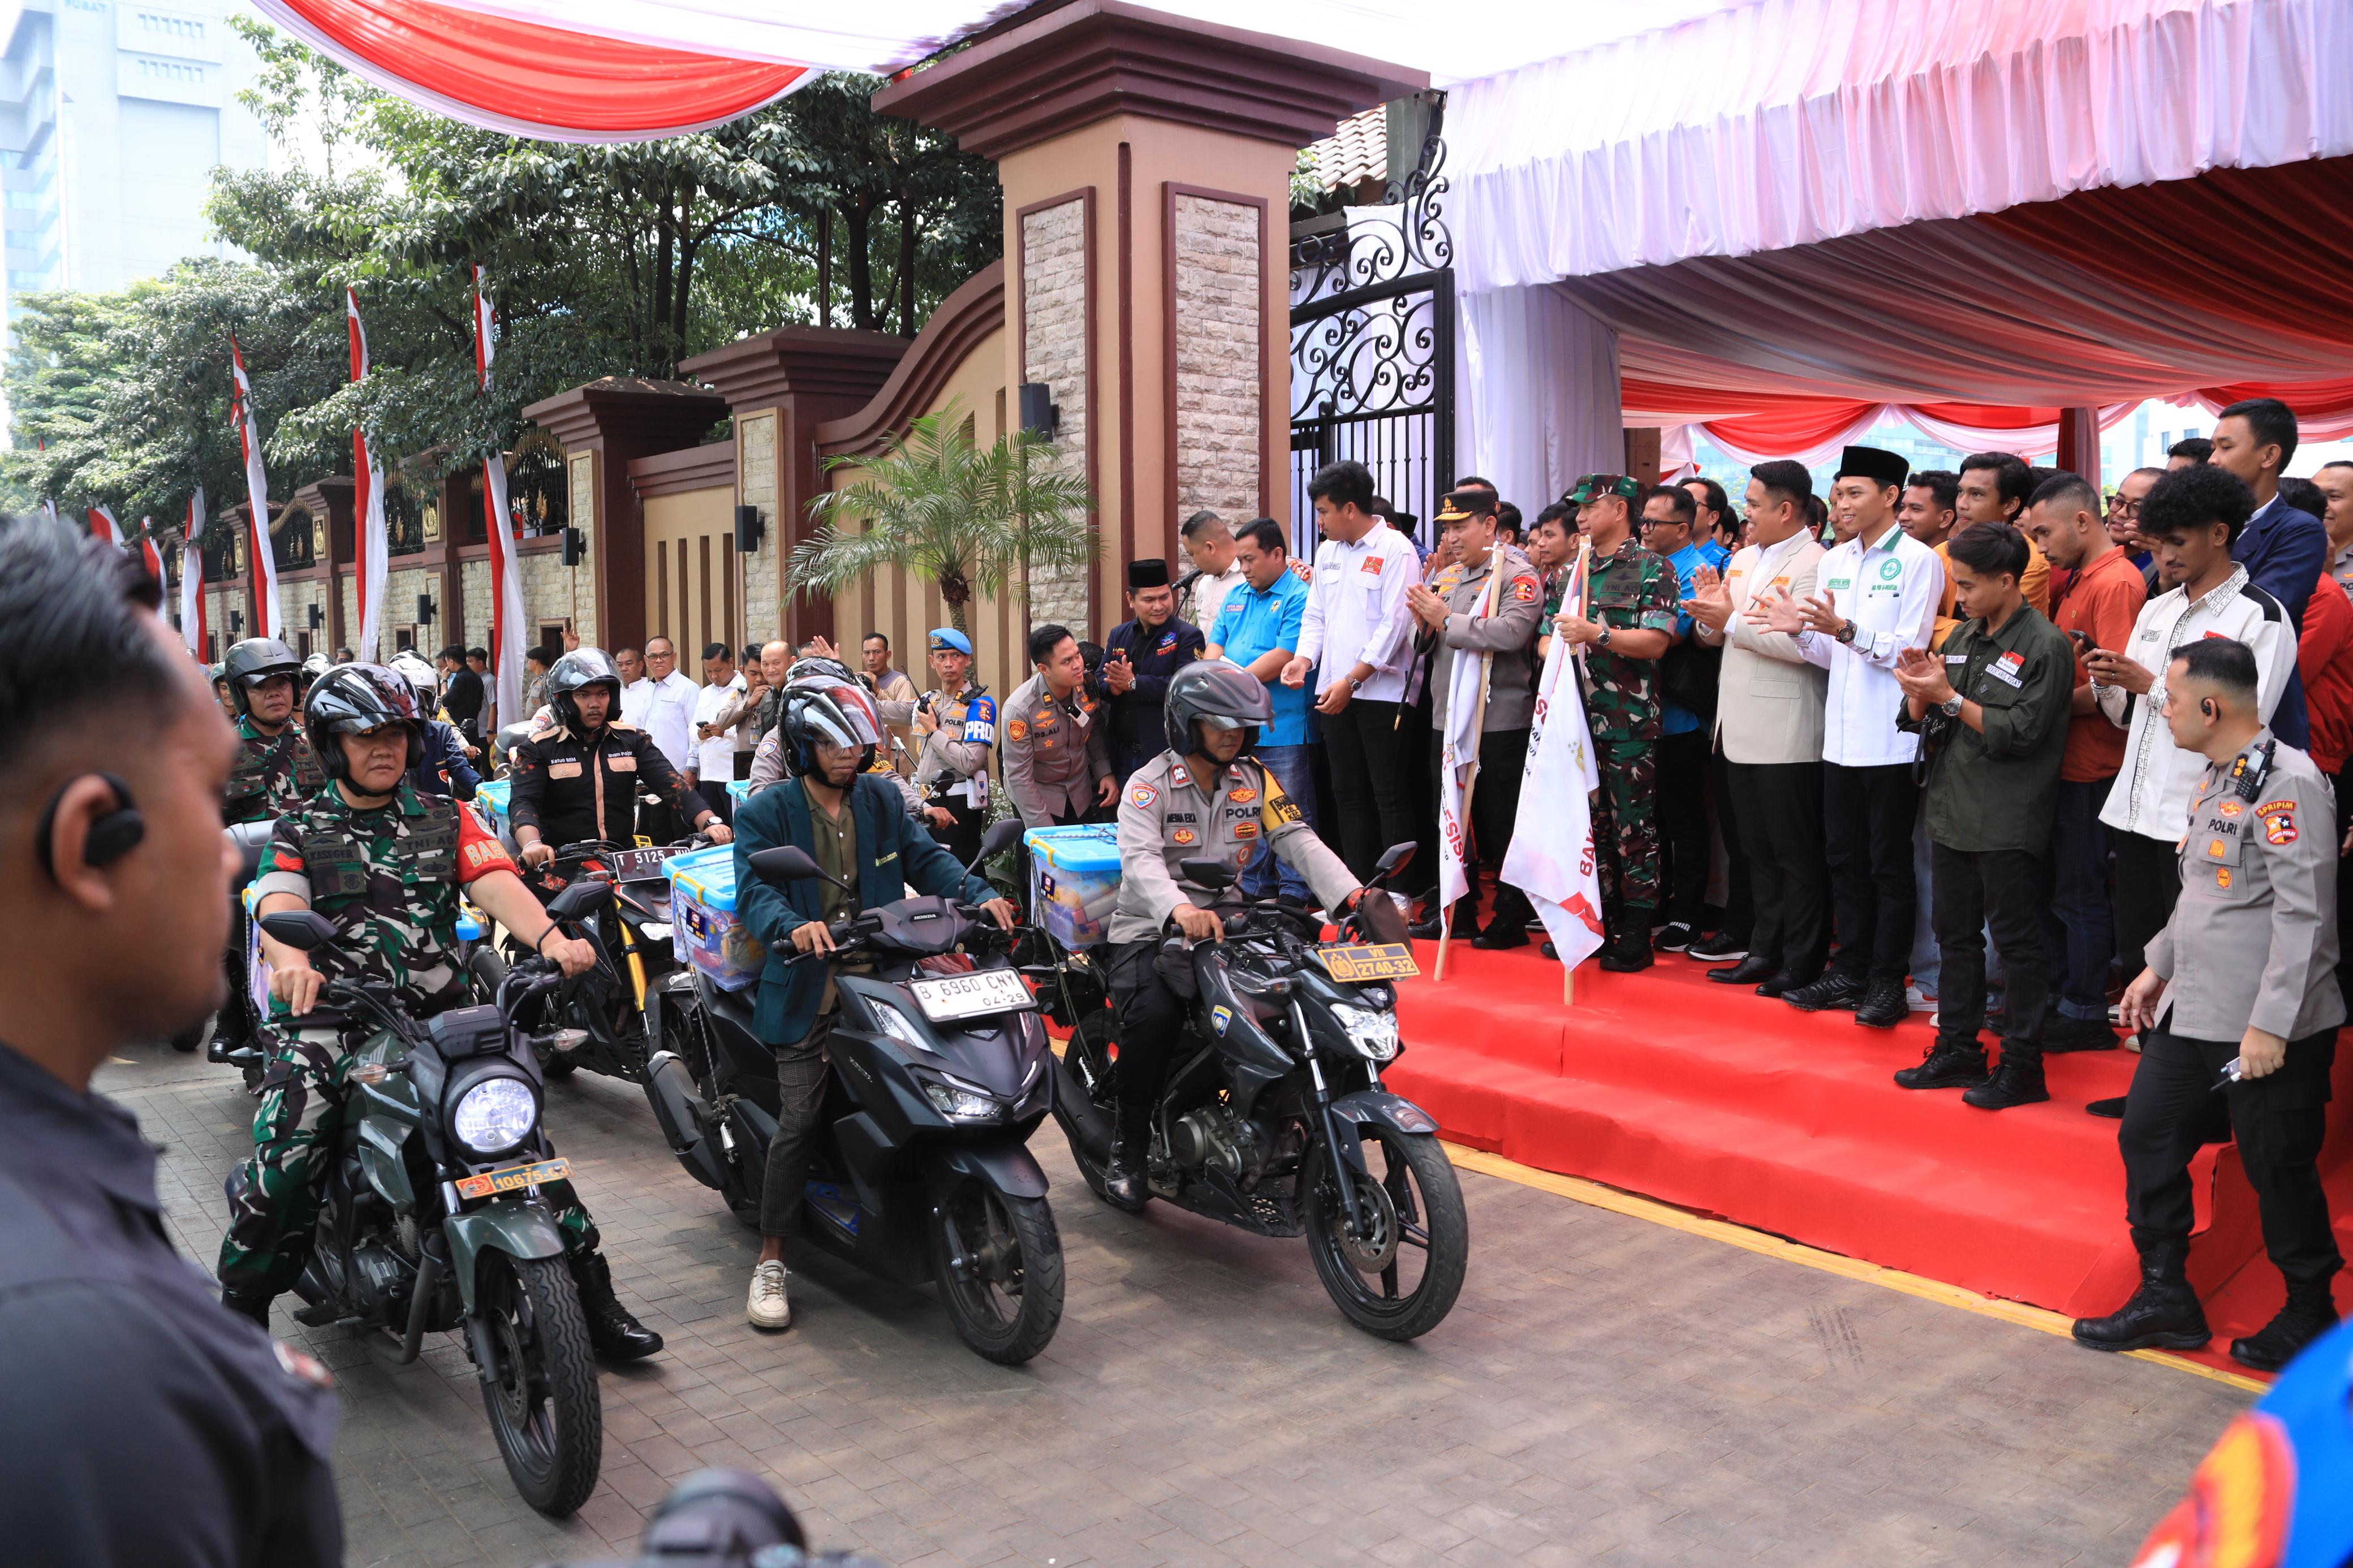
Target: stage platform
[{"x": 1733, "y": 1105}]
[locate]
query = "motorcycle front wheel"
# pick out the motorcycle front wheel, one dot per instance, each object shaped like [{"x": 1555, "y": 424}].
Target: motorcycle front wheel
[
  {"x": 998, "y": 1261},
  {"x": 1399, "y": 1278},
  {"x": 1086, "y": 1102},
  {"x": 541, "y": 1393}
]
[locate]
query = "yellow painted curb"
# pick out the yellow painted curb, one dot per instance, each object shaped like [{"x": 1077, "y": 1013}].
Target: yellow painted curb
[{"x": 1598, "y": 1197}]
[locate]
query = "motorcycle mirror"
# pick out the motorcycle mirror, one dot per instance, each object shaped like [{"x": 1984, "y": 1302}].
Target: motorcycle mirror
[
  {"x": 1002, "y": 835},
  {"x": 784, "y": 864},
  {"x": 579, "y": 898},
  {"x": 1214, "y": 875},
  {"x": 1395, "y": 858},
  {"x": 304, "y": 931}
]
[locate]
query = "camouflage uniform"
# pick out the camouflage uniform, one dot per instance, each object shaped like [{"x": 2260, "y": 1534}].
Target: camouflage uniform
[
  {"x": 272, "y": 775},
  {"x": 1632, "y": 590},
  {"x": 389, "y": 880}
]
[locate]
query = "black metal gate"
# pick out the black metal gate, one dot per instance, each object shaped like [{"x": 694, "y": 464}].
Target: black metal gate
[{"x": 1372, "y": 348}]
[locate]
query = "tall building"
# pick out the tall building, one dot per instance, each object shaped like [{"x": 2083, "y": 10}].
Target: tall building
[{"x": 112, "y": 115}]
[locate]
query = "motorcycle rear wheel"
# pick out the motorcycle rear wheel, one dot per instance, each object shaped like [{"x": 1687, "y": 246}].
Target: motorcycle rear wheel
[
  {"x": 998, "y": 1261},
  {"x": 542, "y": 1397},
  {"x": 1416, "y": 1204}
]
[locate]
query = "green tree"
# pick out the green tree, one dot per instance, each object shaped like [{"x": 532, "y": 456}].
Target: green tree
[{"x": 937, "y": 505}]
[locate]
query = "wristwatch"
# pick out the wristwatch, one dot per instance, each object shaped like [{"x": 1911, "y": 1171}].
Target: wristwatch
[
  {"x": 1355, "y": 685},
  {"x": 1603, "y": 640},
  {"x": 1951, "y": 707},
  {"x": 1846, "y": 632}
]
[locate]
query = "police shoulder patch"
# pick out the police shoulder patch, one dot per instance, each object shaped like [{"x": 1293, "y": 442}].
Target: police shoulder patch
[
  {"x": 1523, "y": 590},
  {"x": 1015, "y": 730},
  {"x": 1142, "y": 794}
]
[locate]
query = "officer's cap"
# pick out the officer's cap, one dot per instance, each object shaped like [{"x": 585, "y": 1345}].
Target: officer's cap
[
  {"x": 947, "y": 639},
  {"x": 1593, "y": 486}
]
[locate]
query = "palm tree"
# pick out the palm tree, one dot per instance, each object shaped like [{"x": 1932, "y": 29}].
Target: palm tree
[{"x": 937, "y": 505}]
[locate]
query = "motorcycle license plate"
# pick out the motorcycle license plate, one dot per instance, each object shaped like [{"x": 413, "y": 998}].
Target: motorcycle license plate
[
  {"x": 1378, "y": 961},
  {"x": 642, "y": 865},
  {"x": 970, "y": 995},
  {"x": 513, "y": 1179}
]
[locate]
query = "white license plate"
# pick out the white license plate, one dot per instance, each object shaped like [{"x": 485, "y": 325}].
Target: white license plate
[{"x": 970, "y": 995}]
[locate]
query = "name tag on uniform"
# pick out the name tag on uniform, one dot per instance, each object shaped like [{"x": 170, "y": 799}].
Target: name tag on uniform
[
  {"x": 623, "y": 763},
  {"x": 1956, "y": 659},
  {"x": 569, "y": 769},
  {"x": 2000, "y": 671},
  {"x": 1840, "y": 585}
]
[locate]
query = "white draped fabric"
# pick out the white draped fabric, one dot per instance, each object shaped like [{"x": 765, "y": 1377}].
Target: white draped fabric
[
  {"x": 1787, "y": 121},
  {"x": 1536, "y": 398}
]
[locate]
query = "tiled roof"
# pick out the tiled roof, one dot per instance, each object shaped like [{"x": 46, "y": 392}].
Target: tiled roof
[{"x": 1357, "y": 151}]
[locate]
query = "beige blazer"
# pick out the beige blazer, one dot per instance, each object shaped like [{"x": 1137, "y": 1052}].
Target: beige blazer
[{"x": 1769, "y": 701}]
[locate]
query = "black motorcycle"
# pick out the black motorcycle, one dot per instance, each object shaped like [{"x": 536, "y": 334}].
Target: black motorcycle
[
  {"x": 941, "y": 1071},
  {"x": 609, "y": 1019},
  {"x": 1273, "y": 1119},
  {"x": 432, "y": 1219}
]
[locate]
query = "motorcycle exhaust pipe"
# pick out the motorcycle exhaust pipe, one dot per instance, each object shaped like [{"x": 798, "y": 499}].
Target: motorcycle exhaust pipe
[{"x": 420, "y": 1306}]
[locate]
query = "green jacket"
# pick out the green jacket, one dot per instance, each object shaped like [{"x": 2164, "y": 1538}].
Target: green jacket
[
  {"x": 1997, "y": 790},
  {"x": 895, "y": 852}
]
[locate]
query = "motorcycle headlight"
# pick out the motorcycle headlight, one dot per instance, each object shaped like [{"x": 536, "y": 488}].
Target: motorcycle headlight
[
  {"x": 656, "y": 931},
  {"x": 1375, "y": 1035},
  {"x": 495, "y": 1115},
  {"x": 898, "y": 1025},
  {"x": 960, "y": 1104}
]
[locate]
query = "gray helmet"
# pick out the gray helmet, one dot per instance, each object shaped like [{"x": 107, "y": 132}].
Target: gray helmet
[
  {"x": 576, "y": 670},
  {"x": 253, "y": 661},
  {"x": 824, "y": 702},
  {"x": 1225, "y": 694}
]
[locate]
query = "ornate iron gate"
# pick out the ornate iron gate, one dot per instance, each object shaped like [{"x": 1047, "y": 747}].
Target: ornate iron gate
[{"x": 1372, "y": 348}]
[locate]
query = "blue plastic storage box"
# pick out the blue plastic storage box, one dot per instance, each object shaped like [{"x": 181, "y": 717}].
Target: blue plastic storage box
[
  {"x": 703, "y": 927},
  {"x": 1073, "y": 881}
]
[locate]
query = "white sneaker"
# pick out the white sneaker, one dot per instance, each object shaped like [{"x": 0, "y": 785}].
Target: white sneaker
[
  {"x": 767, "y": 1307},
  {"x": 1919, "y": 1001}
]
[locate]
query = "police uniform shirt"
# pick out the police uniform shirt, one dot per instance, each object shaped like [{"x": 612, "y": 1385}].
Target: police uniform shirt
[
  {"x": 1055, "y": 750},
  {"x": 1167, "y": 818},
  {"x": 2253, "y": 940},
  {"x": 1155, "y": 653},
  {"x": 144, "y": 1423},
  {"x": 1508, "y": 630},
  {"x": 571, "y": 789},
  {"x": 952, "y": 764}
]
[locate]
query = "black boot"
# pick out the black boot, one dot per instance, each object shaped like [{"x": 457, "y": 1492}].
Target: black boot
[
  {"x": 2061, "y": 1034},
  {"x": 2310, "y": 1313},
  {"x": 1432, "y": 925},
  {"x": 2018, "y": 1081},
  {"x": 253, "y": 1306},
  {"x": 1124, "y": 1178},
  {"x": 1629, "y": 947},
  {"x": 1832, "y": 993},
  {"x": 1883, "y": 1006},
  {"x": 613, "y": 1333},
  {"x": 2164, "y": 1312},
  {"x": 1950, "y": 1064}
]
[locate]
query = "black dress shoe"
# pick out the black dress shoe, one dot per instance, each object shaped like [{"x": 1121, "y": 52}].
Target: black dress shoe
[
  {"x": 1502, "y": 934},
  {"x": 1832, "y": 993},
  {"x": 1883, "y": 1006},
  {"x": 2306, "y": 1317},
  {"x": 2163, "y": 1312},
  {"x": 1782, "y": 983},
  {"x": 2113, "y": 1109},
  {"x": 1747, "y": 972},
  {"x": 1549, "y": 951}
]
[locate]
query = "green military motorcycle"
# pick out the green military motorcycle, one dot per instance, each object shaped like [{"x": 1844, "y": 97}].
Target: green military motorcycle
[{"x": 433, "y": 1221}]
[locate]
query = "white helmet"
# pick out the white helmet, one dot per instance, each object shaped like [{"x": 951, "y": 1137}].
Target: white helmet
[{"x": 418, "y": 674}]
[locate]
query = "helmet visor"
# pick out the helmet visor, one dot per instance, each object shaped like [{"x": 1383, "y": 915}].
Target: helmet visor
[{"x": 846, "y": 717}]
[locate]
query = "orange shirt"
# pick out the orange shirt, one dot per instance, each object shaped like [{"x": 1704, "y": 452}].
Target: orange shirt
[
  {"x": 2103, "y": 600},
  {"x": 2324, "y": 657}
]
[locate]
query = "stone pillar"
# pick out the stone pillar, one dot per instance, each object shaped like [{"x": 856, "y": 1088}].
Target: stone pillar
[
  {"x": 603, "y": 426},
  {"x": 1146, "y": 164}
]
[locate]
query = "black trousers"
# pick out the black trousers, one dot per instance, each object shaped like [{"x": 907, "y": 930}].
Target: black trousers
[
  {"x": 1683, "y": 767},
  {"x": 1413, "y": 733},
  {"x": 714, "y": 795},
  {"x": 1494, "y": 812},
  {"x": 1867, "y": 814},
  {"x": 2149, "y": 879},
  {"x": 1371, "y": 786},
  {"x": 1739, "y": 894},
  {"x": 2003, "y": 887},
  {"x": 800, "y": 1097},
  {"x": 1778, "y": 809},
  {"x": 2279, "y": 1121},
  {"x": 1151, "y": 1018}
]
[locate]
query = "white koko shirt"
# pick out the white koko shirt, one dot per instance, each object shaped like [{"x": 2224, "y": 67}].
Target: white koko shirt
[{"x": 1888, "y": 590}]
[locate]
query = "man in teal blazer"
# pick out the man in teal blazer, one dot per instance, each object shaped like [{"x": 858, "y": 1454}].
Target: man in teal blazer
[{"x": 854, "y": 825}]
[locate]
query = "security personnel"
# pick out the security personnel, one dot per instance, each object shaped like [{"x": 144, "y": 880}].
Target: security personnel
[
  {"x": 385, "y": 865},
  {"x": 445, "y": 769},
  {"x": 1139, "y": 657},
  {"x": 1203, "y": 798},
  {"x": 957, "y": 721},
  {"x": 1057, "y": 757},
  {"x": 144, "y": 1424},
  {"x": 2244, "y": 973},
  {"x": 274, "y": 768},
  {"x": 1631, "y": 607},
  {"x": 577, "y": 776}
]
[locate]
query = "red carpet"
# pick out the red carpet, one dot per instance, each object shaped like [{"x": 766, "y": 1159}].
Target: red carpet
[{"x": 1725, "y": 1102}]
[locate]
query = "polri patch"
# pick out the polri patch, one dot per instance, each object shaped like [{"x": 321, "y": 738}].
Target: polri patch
[{"x": 1142, "y": 794}]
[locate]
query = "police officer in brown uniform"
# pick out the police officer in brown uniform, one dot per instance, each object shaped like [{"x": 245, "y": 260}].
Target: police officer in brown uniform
[
  {"x": 2240, "y": 997},
  {"x": 578, "y": 775},
  {"x": 1056, "y": 746}
]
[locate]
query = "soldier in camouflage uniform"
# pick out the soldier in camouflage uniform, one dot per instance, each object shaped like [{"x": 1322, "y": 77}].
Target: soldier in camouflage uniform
[
  {"x": 274, "y": 768},
  {"x": 385, "y": 865},
  {"x": 1633, "y": 601}
]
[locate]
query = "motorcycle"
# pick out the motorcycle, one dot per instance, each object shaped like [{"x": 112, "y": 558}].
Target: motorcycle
[
  {"x": 1273, "y": 1119},
  {"x": 940, "y": 1074},
  {"x": 611, "y": 1016},
  {"x": 432, "y": 1219}
]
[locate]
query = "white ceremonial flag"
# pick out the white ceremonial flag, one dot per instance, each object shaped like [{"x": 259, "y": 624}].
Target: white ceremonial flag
[
  {"x": 103, "y": 526},
  {"x": 1458, "y": 759},
  {"x": 375, "y": 547},
  {"x": 1551, "y": 858},
  {"x": 192, "y": 576},
  {"x": 506, "y": 572},
  {"x": 262, "y": 563}
]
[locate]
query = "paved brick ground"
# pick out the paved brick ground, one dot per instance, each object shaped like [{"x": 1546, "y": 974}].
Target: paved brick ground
[{"x": 1607, "y": 1390}]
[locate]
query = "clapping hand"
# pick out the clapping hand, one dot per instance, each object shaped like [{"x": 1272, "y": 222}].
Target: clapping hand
[
  {"x": 1789, "y": 615},
  {"x": 1118, "y": 675},
  {"x": 1710, "y": 601},
  {"x": 1427, "y": 606},
  {"x": 1922, "y": 677}
]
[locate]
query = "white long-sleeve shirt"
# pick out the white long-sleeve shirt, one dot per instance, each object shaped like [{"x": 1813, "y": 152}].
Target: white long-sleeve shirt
[
  {"x": 2154, "y": 788},
  {"x": 715, "y": 757},
  {"x": 1352, "y": 606},
  {"x": 1888, "y": 590},
  {"x": 666, "y": 712}
]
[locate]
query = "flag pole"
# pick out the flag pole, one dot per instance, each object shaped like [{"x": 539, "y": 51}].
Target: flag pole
[{"x": 1584, "y": 583}]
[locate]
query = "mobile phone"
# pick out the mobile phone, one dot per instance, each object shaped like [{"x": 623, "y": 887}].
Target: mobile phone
[{"x": 2084, "y": 644}]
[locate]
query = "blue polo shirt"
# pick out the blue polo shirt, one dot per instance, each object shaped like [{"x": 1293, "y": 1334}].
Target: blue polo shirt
[
  {"x": 1254, "y": 620},
  {"x": 1673, "y": 718}
]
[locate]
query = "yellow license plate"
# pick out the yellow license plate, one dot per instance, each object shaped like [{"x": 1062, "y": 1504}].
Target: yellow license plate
[
  {"x": 1378, "y": 961},
  {"x": 513, "y": 1179}
]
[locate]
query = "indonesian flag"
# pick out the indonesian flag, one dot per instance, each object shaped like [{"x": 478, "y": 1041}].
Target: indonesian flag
[
  {"x": 147, "y": 550},
  {"x": 103, "y": 526},
  {"x": 1552, "y": 855},
  {"x": 263, "y": 564},
  {"x": 1458, "y": 763},
  {"x": 367, "y": 505},
  {"x": 506, "y": 581},
  {"x": 192, "y": 576},
  {"x": 48, "y": 507}
]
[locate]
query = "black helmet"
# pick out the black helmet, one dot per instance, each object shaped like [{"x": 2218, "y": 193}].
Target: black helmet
[
  {"x": 253, "y": 661},
  {"x": 1225, "y": 694},
  {"x": 352, "y": 698},
  {"x": 824, "y": 702},
  {"x": 576, "y": 672}
]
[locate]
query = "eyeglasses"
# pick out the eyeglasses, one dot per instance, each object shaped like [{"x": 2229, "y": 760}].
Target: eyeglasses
[{"x": 2118, "y": 506}]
